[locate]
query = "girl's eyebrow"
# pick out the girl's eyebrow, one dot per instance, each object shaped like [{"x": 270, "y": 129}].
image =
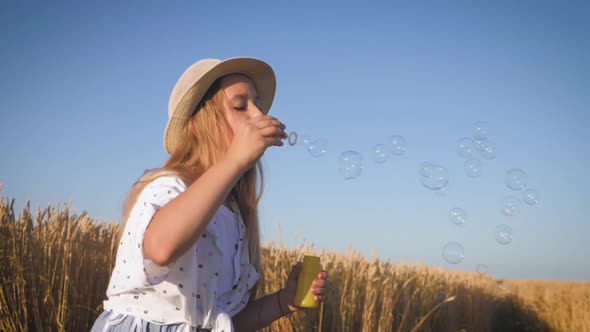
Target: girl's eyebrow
[
  {"x": 243, "y": 96},
  {"x": 240, "y": 97}
]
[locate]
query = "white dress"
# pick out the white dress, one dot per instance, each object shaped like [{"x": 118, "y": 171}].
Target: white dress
[{"x": 204, "y": 288}]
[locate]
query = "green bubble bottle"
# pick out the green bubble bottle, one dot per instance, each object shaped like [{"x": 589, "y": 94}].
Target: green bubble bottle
[{"x": 310, "y": 270}]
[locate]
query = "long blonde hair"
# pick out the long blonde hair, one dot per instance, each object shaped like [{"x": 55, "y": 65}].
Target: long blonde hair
[{"x": 202, "y": 143}]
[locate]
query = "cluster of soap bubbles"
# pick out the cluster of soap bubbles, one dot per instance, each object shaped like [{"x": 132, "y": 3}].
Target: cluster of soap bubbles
[
  {"x": 435, "y": 177},
  {"x": 476, "y": 147},
  {"x": 350, "y": 163},
  {"x": 316, "y": 148},
  {"x": 517, "y": 180},
  {"x": 473, "y": 149}
]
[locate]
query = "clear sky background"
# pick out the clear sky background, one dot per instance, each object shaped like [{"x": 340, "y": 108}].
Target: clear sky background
[{"x": 84, "y": 91}]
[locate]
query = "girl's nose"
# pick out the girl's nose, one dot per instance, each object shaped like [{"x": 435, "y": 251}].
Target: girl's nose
[{"x": 256, "y": 111}]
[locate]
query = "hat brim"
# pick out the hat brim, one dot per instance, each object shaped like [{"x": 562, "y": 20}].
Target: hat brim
[{"x": 258, "y": 71}]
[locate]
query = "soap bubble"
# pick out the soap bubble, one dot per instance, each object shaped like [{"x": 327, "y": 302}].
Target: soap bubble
[
  {"x": 516, "y": 179},
  {"x": 503, "y": 234},
  {"x": 480, "y": 130},
  {"x": 453, "y": 253},
  {"x": 380, "y": 153},
  {"x": 425, "y": 168},
  {"x": 531, "y": 196},
  {"x": 397, "y": 144},
  {"x": 442, "y": 192},
  {"x": 457, "y": 216},
  {"x": 511, "y": 206},
  {"x": 350, "y": 164},
  {"x": 488, "y": 150},
  {"x": 472, "y": 167},
  {"x": 304, "y": 140},
  {"x": 440, "y": 296},
  {"x": 480, "y": 144},
  {"x": 500, "y": 284},
  {"x": 481, "y": 269},
  {"x": 318, "y": 148},
  {"x": 433, "y": 176},
  {"x": 465, "y": 147}
]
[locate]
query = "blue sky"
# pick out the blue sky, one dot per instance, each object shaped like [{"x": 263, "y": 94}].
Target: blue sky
[{"x": 85, "y": 88}]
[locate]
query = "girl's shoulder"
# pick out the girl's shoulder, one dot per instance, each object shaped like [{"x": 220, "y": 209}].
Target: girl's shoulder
[
  {"x": 162, "y": 189},
  {"x": 167, "y": 181}
]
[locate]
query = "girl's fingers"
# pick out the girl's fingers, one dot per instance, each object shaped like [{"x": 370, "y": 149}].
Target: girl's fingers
[
  {"x": 319, "y": 291},
  {"x": 320, "y": 283},
  {"x": 267, "y": 121},
  {"x": 273, "y": 132},
  {"x": 273, "y": 141},
  {"x": 320, "y": 298},
  {"x": 275, "y": 120}
]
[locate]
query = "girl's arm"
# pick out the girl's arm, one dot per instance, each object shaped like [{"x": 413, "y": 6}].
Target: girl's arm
[
  {"x": 265, "y": 310},
  {"x": 260, "y": 313},
  {"x": 178, "y": 225}
]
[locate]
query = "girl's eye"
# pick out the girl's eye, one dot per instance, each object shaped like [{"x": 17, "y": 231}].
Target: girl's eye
[{"x": 240, "y": 108}]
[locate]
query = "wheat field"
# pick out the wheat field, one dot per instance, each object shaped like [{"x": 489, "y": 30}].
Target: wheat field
[{"x": 55, "y": 266}]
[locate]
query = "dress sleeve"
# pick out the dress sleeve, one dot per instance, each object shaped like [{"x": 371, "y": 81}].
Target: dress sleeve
[{"x": 155, "y": 195}]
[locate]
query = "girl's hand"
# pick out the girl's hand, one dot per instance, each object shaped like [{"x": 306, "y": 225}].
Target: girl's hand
[
  {"x": 287, "y": 294},
  {"x": 252, "y": 137}
]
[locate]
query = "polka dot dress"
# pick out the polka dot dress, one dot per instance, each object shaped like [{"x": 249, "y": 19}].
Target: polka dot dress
[{"x": 204, "y": 288}]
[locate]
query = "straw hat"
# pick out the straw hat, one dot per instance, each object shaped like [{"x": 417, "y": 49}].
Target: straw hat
[{"x": 196, "y": 80}]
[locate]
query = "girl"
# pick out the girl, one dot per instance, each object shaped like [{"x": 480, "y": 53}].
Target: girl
[{"x": 189, "y": 251}]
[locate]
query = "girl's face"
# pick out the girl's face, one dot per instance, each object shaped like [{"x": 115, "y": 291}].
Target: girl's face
[{"x": 241, "y": 100}]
